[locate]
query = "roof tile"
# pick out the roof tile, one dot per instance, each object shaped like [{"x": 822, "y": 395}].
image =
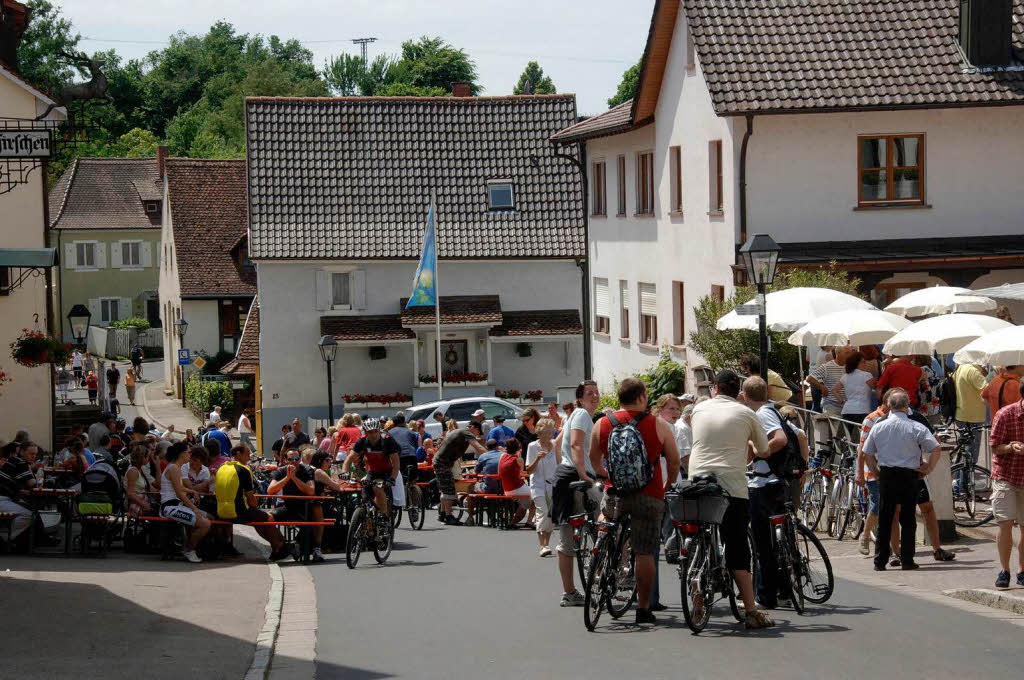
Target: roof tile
[
  {"x": 384, "y": 327},
  {"x": 455, "y": 309},
  {"x": 539, "y": 322},
  {"x": 106, "y": 193}
]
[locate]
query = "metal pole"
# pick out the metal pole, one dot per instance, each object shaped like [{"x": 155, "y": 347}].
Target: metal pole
[
  {"x": 437, "y": 296},
  {"x": 181, "y": 381},
  {"x": 762, "y": 332},
  {"x": 330, "y": 397}
]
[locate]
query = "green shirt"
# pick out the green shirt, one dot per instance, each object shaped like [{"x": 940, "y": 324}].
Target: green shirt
[{"x": 969, "y": 381}]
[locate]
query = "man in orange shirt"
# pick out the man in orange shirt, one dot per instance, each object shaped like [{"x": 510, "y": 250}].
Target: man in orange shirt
[{"x": 1003, "y": 390}]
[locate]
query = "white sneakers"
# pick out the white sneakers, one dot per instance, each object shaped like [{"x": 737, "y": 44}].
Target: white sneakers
[
  {"x": 192, "y": 557},
  {"x": 545, "y": 552}
]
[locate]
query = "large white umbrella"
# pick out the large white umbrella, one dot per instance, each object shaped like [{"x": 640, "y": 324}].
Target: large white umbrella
[
  {"x": 941, "y": 300},
  {"x": 851, "y": 327},
  {"x": 943, "y": 334},
  {"x": 790, "y": 309},
  {"x": 1004, "y": 347}
]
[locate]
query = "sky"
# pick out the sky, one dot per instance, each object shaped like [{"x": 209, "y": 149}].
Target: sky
[{"x": 584, "y": 45}]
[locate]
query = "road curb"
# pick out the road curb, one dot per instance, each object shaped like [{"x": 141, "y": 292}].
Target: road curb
[
  {"x": 990, "y": 598},
  {"x": 272, "y": 621},
  {"x": 144, "y": 407}
]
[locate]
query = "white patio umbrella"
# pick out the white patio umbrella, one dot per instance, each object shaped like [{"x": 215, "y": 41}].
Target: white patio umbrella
[
  {"x": 850, "y": 327},
  {"x": 941, "y": 300},
  {"x": 1004, "y": 347},
  {"x": 790, "y": 309},
  {"x": 942, "y": 334}
]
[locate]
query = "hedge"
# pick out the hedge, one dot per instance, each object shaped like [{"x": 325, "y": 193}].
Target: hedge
[{"x": 202, "y": 395}]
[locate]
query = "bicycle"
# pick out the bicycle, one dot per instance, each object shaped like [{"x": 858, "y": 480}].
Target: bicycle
[
  {"x": 697, "y": 510},
  {"x": 799, "y": 556},
  {"x": 611, "y": 581},
  {"x": 584, "y": 529},
  {"x": 972, "y": 483},
  {"x": 370, "y": 528},
  {"x": 850, "y": 507},
  {"x": 814, "y": 496}
]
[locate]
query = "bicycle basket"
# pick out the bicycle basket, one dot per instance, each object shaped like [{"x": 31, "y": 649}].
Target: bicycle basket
[{"x": 709, "y": 509}]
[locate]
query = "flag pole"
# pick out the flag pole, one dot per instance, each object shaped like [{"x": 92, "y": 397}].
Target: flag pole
[{"x": 437, "y": 301}]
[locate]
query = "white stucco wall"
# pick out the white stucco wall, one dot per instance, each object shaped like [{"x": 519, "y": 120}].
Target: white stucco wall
[
  {"x": 695, "y": 248},
  {"x": 169, "y": 290},
  {"x": 550, "y": 366},
  {"x": 292, "y": 372},
  {"x": 203, "y": 325}
]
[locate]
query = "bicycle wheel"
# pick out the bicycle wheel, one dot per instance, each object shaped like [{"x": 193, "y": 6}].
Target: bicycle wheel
[
  {"x": 791, "y": 566},
  {"x": 383, "y": 541},
  {"x": 843, "y": 506},
  {"x": 622, "y": 593},
  {"x": 585, "y": 541},
  {"x": 593, "y": 595},
  {"x": 858, "y": 505},
  {"x": 832, "y": 491},
  {"x": 812, "y": 501},
  {"x": 972, "y": 506},
  {"x": 696, "y": 589},
  {"x": 396, "y": 516},
  {"x": 816, "y": 580},
  {"x": 354, "y": 543},
  {"x": 417, "y": 507}
]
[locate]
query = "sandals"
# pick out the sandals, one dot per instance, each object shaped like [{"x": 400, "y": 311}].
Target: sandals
[
  {"x": 943, "y": 555},
  {"x": 757, "y": 619}
]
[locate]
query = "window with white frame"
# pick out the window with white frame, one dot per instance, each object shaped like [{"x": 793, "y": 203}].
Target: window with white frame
[
  {"x": 623, "y": 309},
  {"x": 131, "y": 253},
  {"x": 341, "y": 290},
  {"x": 110, "y": 310},
  {"x": 602, "y": 307},
  {"x": 645, "y": 183},
  {"x": 500, "y": 195},
  {"x": 85, "y": 254},
  {"x": 648, "y": 313}
]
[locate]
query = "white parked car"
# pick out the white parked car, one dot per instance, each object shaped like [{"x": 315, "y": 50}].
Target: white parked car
[{"x": 462, "y": 409}]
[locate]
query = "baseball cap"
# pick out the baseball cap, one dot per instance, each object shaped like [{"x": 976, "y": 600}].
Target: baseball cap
[
  {"x": 687, "y": 397},
  {"x": 478, "y": 412}
]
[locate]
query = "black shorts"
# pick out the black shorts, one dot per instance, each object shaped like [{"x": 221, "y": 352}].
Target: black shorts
[
  {"x": 251, "y": 515},
  {"x": 368, "y": 485},
  {"x": 285, "y": 514},
  {"x": 734, "y": 534},
  {"x": 922, "y": 493}
]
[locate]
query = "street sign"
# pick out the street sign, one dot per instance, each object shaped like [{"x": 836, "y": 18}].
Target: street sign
[
  {"x": 747, "y": 310},
  {"x": 199, "y": 362},
  {"x": 25, "y": 144},
  {"x": 184, "y": 357}
]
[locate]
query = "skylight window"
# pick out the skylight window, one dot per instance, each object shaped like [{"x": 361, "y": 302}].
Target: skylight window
[{"x": 500, "y": 195}]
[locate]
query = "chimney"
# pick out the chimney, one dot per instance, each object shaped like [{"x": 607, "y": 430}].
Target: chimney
[
  {"x": 161, "y": 158},
  {"x": 461, "y": 89},
  {"x": 986, "y": 28}
]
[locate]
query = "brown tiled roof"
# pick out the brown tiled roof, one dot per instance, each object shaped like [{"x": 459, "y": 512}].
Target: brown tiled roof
[
  {"x": 106, "y": 193},
  {"x": 385, "y": 327},
  {"x": 207, "y": 202},
  {"x": 612, "y": 121},
  {"x": 795, "y": 55},
  {"x": 455, "y": 309},
  {"x": 249, "y": 343},
  {"x": 236, "y": 367},
  {"x": 352, "y": 177},
  {"x": 540, "y": 322}
]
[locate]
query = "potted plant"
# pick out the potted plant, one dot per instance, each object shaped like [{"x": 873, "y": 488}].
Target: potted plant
[
  {"x": 534, "y": 396},
  {"x": 34, "y": 348},
  {"x": 428, "y": 379}
]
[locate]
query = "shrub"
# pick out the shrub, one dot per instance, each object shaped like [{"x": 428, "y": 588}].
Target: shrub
[
  {"x": 202, "y": 395},
  {"x": 132, "y": 322}
]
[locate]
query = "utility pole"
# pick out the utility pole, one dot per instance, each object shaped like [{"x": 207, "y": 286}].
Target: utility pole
[{"x": 363, "y": 42}]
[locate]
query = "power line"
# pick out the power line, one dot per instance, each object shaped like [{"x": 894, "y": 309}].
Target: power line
[{"x": 363, "y": 42}]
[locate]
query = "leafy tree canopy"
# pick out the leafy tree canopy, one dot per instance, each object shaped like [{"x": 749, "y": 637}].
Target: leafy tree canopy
[
  {"x": 533, "y": 81},
  {"x": 627, "y": 88},
  {"x": 721, "y": 349},
  {"x": 426, "y": 67}
]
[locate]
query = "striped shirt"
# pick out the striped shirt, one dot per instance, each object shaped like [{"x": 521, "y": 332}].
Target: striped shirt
[
  {"x": 15, "y": 475},
  {"x": 830, "y": 374}
]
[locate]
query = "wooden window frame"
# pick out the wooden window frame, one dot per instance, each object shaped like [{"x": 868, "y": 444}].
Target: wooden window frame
[
  {"x": 891, "y": 287},
  {"x": 336, "y": 306},
  {"x": 602, "y": 323},
  {"x": 716, "y": 187},
  {"x": 623, "y": 312},
  {"x": 679, "y": 305},
  {"x": 645, "y": 183},
  {"x": 718, "y": 292},
  {"x": 675, "y": 162},
  {"x": 620, "y": 163},
  {"x": 890, "y": 170},
  {"x": 649, "y": 330},
  {"x": 599, "y": 204}
]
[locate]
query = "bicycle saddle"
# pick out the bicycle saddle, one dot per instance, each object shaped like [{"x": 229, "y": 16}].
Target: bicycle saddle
[
  {"x": 579, "y": 486},
  {"x": 704, "y": 478}
]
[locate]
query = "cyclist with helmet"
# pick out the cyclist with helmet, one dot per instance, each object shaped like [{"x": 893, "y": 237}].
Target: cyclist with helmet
[{"x": 378, "y": 455}]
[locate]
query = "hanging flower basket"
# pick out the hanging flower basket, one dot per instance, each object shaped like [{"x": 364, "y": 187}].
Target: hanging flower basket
[
  {"x": 34, "y": 348},
  {"x": 4, "y": 378}
]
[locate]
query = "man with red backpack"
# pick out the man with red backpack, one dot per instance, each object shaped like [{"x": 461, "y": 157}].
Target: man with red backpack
[{"x": 630, "y": 441}]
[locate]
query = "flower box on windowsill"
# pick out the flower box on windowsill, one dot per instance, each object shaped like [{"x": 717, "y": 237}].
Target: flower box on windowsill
[
  {"x": 400, "y": 404},
  {"x": 428, "y": 384},
  {"x": 374, "y": 404},
  {"x": 355, "y": 404},
  {"x": 475, "y": 383}
]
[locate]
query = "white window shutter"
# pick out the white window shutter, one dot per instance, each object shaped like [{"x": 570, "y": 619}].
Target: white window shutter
[
  {"x": 116, "y": 249},
  {"x": 96, "y": 311},
  {"x": 359, "y": 289},
  {"x": 323, "y": 290},
  {"x": 100, "y": 251},
  {"x": 146, "y": 254},
  {"x": 648, "y": 299},
  {"x": 602, "y": 302},
  {"x": 624, "y": 294},
  {"x": 69, "y": 256},
  {"x": 125, "y": 308}
]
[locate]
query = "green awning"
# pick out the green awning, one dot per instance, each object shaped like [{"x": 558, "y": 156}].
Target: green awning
[{"x": 28, "y": 258}]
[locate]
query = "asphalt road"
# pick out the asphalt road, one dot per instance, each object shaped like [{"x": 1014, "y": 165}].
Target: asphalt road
[
  {"x": 474, "y": 602},
  {"x": 152, "y": 369}
]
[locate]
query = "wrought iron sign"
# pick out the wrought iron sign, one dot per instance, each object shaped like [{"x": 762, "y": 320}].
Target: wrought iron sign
[{"x": 24, "y": 146}]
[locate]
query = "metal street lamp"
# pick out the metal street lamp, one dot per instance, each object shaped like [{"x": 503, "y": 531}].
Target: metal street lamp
[
  {"x": 760, "y": 258},
  {"x": 328, "y": 351},
  {"x": 79, "y": 317},
  {"x": 182, "y": 327}
]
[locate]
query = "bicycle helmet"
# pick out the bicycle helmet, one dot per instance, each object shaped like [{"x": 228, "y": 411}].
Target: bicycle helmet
[{"x": 370, "y": 424}]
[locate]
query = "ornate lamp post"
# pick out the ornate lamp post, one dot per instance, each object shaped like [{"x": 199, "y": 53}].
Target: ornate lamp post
[
  {"x": 328, "y": 351},
  {"x": 79, "y": 317},
  {"x": 761, "y": 257},
  {"x": 182, "y": 328}
]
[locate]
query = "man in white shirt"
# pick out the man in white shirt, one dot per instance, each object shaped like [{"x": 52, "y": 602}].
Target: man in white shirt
[
  {"x": 215, "y": 416},
  {"x": 723, "y": 432}
]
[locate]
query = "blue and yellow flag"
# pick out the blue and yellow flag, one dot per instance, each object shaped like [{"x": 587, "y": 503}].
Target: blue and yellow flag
[{"x": 424, "y": 284}]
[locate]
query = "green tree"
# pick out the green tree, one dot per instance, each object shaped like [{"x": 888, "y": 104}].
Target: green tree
[
  {"x": 344, "y": 73},
  {"x": 627, "y": 88},
  {"x": 136, "y": 143},
  {"x": 39, "y": 59},
  {"x": 533, "y": 81},
  {"x": 433, "y": 64},
  {"x": 721, "y": 349}
]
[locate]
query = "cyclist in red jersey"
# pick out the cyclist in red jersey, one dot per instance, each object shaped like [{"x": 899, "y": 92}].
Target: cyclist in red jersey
[{"x": 378, "y": 455}]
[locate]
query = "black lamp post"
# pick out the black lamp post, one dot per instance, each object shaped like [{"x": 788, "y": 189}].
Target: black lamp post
[
  {"x": 328, "y": 351},
  {"x": 79, "y": 317},
  {"x": 182, "y": 328},
  {"x": 760, "y": 257}
]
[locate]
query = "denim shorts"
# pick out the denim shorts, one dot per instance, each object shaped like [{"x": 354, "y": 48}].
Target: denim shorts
[{"x": 873, "y": 494}]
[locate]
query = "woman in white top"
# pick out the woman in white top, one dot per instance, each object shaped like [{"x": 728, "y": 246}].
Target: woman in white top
[
  {"x": 245, "y": 430},
  {"x": 136, "y": 482},
  {"x": 857, "y": 386},
  {"x": 176, "y": 502},
  {"x": 541, "y": 463}
]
